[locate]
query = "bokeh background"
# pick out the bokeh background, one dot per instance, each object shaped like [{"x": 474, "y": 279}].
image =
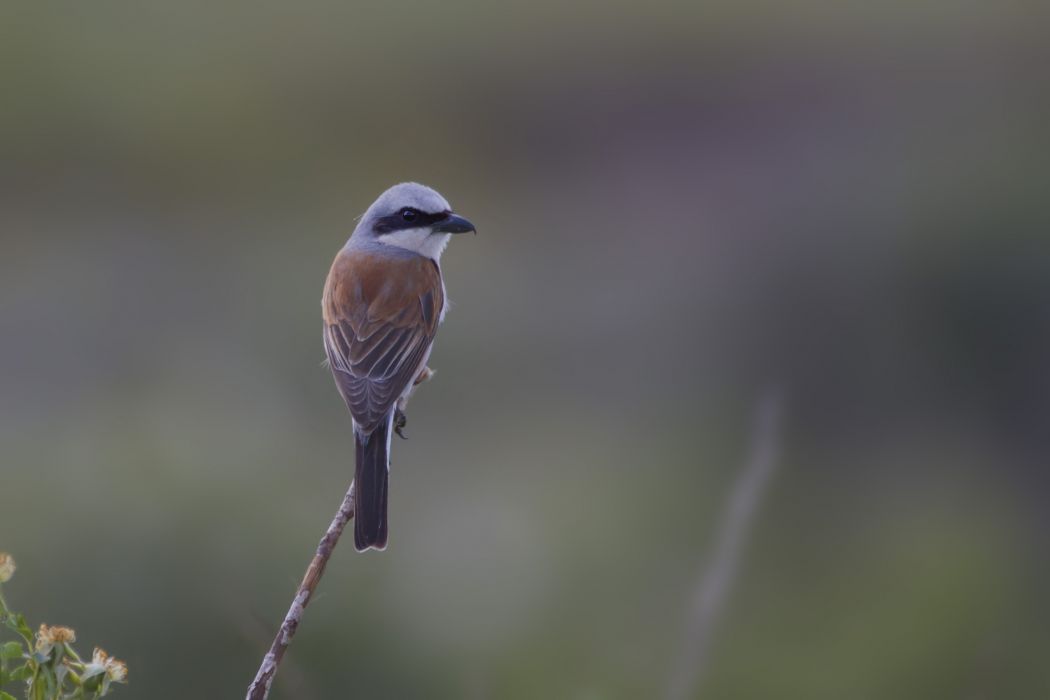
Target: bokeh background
[{"x": 681, "y": 206}]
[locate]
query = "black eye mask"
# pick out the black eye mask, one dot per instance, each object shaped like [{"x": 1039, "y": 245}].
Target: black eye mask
[{"x": 408, "y": 218}]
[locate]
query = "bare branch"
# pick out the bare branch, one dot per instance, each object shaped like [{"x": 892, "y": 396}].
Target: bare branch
[
  {"x": 260, "y": 687},
  {"x": 716, "y": 578}
]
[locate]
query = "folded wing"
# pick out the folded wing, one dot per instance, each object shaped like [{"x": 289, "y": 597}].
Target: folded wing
[{"x": 381, "y": 314}]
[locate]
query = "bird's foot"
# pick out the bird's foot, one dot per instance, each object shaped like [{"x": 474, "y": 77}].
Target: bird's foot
[{"x": 400, "y": 421}]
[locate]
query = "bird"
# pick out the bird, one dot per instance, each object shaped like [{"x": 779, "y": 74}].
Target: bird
[{"x": 382, "y": 303}]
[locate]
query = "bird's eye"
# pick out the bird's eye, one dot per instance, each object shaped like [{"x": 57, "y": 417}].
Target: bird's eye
[{"x": 409, "y": 215}]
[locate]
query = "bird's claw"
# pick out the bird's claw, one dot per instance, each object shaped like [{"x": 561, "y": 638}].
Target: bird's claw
[{"x": 400, "y": 421}]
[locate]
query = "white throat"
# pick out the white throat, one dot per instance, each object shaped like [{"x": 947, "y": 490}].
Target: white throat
[{"x": 418, "y": 240}]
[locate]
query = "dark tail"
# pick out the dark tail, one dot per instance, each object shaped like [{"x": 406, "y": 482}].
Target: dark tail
[{"x": 370, "y": 484}]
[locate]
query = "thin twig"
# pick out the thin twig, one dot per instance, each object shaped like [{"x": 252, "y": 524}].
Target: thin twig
[
  {"x": 260, "y": 687},
  {"x": 716, "y": 578},
  {"x": 256, "y": 633}
]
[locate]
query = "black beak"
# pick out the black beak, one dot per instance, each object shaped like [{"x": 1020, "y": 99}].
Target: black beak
[{"x": 453, "y": 224}]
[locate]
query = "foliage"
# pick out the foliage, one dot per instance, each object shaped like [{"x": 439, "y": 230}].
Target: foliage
[{"x": 46, "y": 663}]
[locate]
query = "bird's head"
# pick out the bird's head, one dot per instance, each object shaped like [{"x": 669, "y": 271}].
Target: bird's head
[{"x": 412, "y": 217}]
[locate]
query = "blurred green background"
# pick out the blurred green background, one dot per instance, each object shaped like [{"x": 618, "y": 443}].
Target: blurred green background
[{"x": 679, "y": 207}]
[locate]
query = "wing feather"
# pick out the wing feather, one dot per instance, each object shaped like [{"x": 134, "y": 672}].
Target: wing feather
[{"x": 381, "y": 314}]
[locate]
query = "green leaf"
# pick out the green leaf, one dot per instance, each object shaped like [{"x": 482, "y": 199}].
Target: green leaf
[
  {"x": 17, "y": 622},
  {"x": 21, "y": 673},
  {"x": 11, "y": 650},
  {"x": 5, "y": 696}
]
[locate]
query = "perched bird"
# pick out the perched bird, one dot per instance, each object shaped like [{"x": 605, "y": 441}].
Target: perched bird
[{"x": 383, "y": 301}]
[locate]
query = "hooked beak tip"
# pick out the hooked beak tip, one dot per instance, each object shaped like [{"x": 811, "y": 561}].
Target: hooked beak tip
[{"x": 454, "y": 224}]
